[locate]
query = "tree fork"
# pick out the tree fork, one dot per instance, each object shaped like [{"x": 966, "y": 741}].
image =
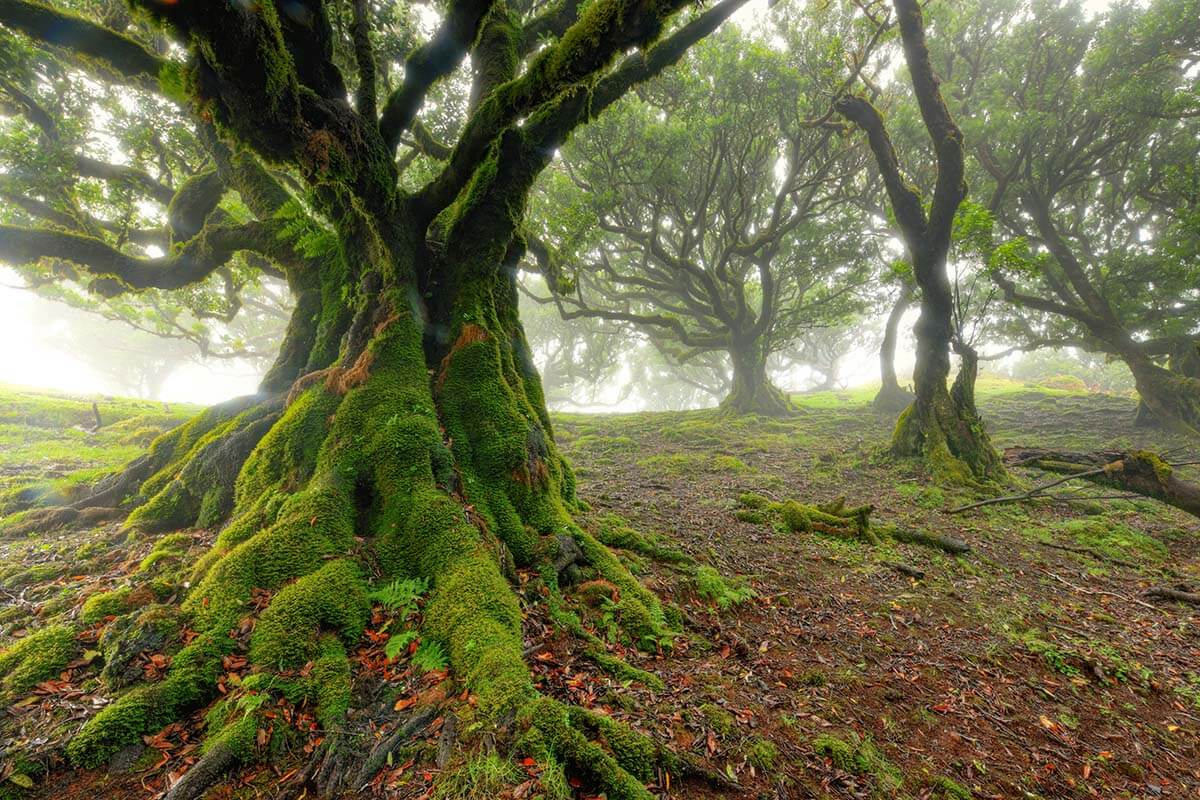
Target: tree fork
[{"x": 940, "y": 427}]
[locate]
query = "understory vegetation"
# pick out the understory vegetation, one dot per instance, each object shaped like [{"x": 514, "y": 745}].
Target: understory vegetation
[{"x": 807, "y": 658}]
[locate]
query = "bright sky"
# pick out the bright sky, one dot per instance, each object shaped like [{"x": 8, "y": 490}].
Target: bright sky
[{"x": 32, "y": 358}]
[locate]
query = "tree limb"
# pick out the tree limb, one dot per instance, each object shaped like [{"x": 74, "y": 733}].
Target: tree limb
[{"x": 117, "y": 54}]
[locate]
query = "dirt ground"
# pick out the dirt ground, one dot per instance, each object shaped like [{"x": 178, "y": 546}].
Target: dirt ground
[{"x": 1031, "y": 667}]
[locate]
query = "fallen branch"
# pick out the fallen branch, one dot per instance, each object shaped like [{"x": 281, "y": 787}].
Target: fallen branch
[
  {"x": 1089, "y": 552},
  {"x": 1137, "y": 471},
  {"x": 905, "y": 569},
  {"x": 947, "y": 543},
  {"x": 1167, "y": 593},
  {"x": 1014, "y": 498}
]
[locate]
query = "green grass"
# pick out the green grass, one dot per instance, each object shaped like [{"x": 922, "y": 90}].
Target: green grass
[
  {"x": 45, "y": 437},
  {"x": 1115, "y": 539}
]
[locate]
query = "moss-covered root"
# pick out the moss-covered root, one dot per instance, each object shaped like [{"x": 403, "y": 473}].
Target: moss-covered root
[
  {"x": 37, "y": 657},
  {"x": 197, "y": 488},
  {"x": 610, "y": 756},
  {"x": 833, "y": 519},
  {"x": 950, "y": 440},
  {"x": 149, "y": 473}
]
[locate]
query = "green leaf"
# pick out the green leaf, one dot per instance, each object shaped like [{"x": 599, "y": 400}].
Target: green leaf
[
  {"x": 398, "y": 644},
  {"x": 24, "y": 781}
]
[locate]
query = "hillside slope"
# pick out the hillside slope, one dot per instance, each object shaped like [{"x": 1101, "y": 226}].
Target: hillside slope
[{"x": 1029, "y": 667}]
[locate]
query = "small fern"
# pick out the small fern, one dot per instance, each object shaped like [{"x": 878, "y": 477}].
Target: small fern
[
  {"x": 249, "y": 703},
  {"x": 398, "y": 644},
  {"x": 401, "y": 595},
  {"x": 308, "y": 237},
  {"x": 430, "y": 656}
]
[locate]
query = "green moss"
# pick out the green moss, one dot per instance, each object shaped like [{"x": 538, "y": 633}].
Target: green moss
[
  {"x": 716, "y": 589},
  {"x": 639, "y": 612},
  {"x": 553, "y": 780},
  {"x": 615, "y": 532},
  {"x": 483, "y": 777},
  {"x": 833, "y": 520},
  {"x": 720, "y": 720},
  {"x": 762, "y": 754},
  {"x": 333, "y": 598},
  {"x": 812, "y": 677},
  {"x": 171, "y": 547},
  {"x": 752, "y": 500},
  {"x": 286, "y": 456},
  {"x": 674, "y": 463},
  {"x": 145, "y": 709},
  {"x": 946, "y": 789},
  {"x": 35, "y": 574},
  {"x": 553, "y": 731},
  {"x": 861, "y": 757},
  {"x": 1115, "y": 539},
  {"x": 636, "y": 753},
  {"x": 39, "y": 656},
  {"x": 102, "y": 605},
  {"x": 725, "y": 463}
]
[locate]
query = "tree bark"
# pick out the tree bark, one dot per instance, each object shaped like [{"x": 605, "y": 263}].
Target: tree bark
[
  {"x": 1137, "y": 471},
  {"x": 1168, "y": 395},
  {"x": 752, "y": 391},
  {"x": 892, "y": 397}
]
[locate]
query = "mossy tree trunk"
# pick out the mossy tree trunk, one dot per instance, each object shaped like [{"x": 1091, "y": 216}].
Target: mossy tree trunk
[
  {"x": 1169, "y": 395},
  {"x": 942, "y": 428},
  {"x": 751, "y": 391},
  {"x": 402, "y": 431}
]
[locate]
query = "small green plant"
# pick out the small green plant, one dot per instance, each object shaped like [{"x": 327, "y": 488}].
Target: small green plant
[
  {"x": 1055, "y": 658},
  {"x": 481, "y": 778},
  {"x": 430, "y": 656},
  {"x": 398, "y": 644},
  {"x": 252, "y": 701},
  {"x": 762, "y": 754},
  {"x": 401, "y": 595},
  {"x": 860, "y": 756}
]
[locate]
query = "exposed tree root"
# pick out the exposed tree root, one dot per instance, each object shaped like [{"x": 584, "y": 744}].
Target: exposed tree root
[
  {"x": 936, "y": 541},
  {"x": 55, "y": 517},
  {"x": 216, "y": 763},
  {"x": 908, "y": 570},
  {"x": 456, "y": 483}
]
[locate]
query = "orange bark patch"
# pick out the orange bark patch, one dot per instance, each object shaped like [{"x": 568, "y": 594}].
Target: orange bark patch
[
  {"x": 355, "y": 376},
  {"x": 307, "y": 380},
  {"x": 470, "y": 334},
  {"x": 535, "y": 473},
  {"x": 387, "y": 321}
]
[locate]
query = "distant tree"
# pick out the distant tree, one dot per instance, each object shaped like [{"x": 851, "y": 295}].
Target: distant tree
[
  {"x": 942, "y": 425},
  {"x": 892, "y": 397},
  {"x": 593, "y": 362},
  {"x": 711, "y": 213},
  {"x": 1085, "y": 133},
  {"x": 402, "y": 431}
]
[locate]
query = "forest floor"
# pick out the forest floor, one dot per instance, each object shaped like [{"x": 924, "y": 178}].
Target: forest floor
[{"x": 1019, "y": 670}]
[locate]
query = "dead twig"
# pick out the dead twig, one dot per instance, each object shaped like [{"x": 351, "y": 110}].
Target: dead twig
[{"x": 1032, "y": 494}]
